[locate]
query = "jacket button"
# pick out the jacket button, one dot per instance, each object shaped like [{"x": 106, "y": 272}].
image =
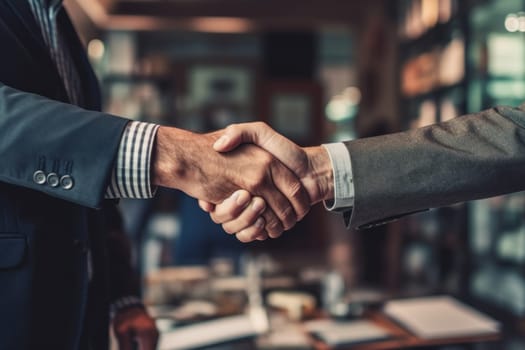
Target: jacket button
[
  {"x": 66, "y": 182},
  {"x": 39, "y": 177},
  {"x": 53, "y": 180}
]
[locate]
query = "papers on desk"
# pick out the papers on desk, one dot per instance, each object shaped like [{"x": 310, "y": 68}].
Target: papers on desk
[
  {"x": 440, "y": 317},
  {"x": 208, "y": 333},
  {"x": 346, "y": 333}
]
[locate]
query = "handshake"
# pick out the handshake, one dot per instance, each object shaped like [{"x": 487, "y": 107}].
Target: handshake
[
  {"x": 257, "y": 183},
  {"x": 252, "y": 180}
]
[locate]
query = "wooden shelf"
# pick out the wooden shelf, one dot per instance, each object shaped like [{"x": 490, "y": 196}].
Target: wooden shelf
[{"x": 441, "y": 90}]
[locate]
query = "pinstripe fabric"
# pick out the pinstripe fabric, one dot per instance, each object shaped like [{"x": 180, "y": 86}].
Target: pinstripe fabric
[
  {"x": 131, "y": 173},
  {"x": 46, "y": 12}
]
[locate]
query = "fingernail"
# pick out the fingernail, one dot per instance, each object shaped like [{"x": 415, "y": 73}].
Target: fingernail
[
  {"x": 221, "y": 142},
  {"x": 235, "y": 195},
  {"x": 259, "y": 223},
  {"x": 258, "y": 206},
  {"x": 262, "y": 237},
  {"x": 242, "y": 198}
]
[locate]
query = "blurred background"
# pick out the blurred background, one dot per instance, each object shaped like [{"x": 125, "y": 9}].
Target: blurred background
[{"x": 317, "y": 71}]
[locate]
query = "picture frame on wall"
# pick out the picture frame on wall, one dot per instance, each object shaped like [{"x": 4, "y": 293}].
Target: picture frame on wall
[
  {"x": 293, "y": 109},
  {"x": 291, "y": 113}
]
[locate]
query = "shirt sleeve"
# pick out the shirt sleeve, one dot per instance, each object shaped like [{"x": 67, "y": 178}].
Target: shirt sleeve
[
  {"x": 131, "y": 173},
  {"x": 125, "y": 303},
  {"x": 343, "y": 178}
]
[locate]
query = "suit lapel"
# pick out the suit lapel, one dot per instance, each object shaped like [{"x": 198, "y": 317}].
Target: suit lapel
[
  {"x": 24, "y": 24},
  {"x": 19, "y": 18}
]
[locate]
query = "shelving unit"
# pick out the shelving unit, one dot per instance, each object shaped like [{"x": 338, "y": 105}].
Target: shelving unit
[
  {"x": 432, "y": 88},
  {"x": 475, "y": 250},
  {"x": 497, "y": 226},
  {"x": 432, "y": 65}
]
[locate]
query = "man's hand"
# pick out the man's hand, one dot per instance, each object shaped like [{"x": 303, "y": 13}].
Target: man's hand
[
  {"x": 187, "y": 161},
  {"x": 241, "y": 220},
  {"x": 312, "y": 165},
  {"x": 134, "y": 325}
]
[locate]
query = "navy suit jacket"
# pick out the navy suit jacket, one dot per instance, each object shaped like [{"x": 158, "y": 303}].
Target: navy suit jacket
[{"x": 46, "y": 232}]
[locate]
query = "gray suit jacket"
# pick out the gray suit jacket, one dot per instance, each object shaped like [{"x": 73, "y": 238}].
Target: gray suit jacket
[{"x": 471, "y": 157}]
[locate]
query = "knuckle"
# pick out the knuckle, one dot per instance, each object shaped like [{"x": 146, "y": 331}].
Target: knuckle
[
  {"x": 295, "y": 189},
  {"x": 227, "y": 227},
  {"x": 267, "y": 159},
  {"x": 232, "y": 127},
  {"x": 258, "y": 182},
  {"x": 258, "y": 205},
  {"x": 215, "y": 219},
  {"x": 260, "y": 125},
  {"x": 241, "y": 238},
  {"x": 276, "y": 235},
  {"x": 274, "y": 226},
  {"x": 303, "y": 212},
  {"x": 288, "y": 217},
  {"x": 246, "y": 222},
  {"x": 253, "y": 236}
]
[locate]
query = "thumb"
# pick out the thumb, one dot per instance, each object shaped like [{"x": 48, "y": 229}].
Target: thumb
[
  {"x": 235, "y": 135},
  {"x": 258, "y": 133},
  {"x": 262, "y": 135}
]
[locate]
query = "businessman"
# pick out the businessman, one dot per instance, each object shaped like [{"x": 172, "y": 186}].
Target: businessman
[
  {"x": 62, "y": 165},
  {"x": 376, "y": 180}
]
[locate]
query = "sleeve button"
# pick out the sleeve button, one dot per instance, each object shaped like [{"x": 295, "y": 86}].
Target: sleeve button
[
  {"x": 66, "y": 182},
  {"x": 53, "y": 180},
  {"x": 39, "y": 177}
]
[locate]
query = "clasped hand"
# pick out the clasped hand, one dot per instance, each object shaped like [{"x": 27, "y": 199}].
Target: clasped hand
[{"x": 310, "y": 166}]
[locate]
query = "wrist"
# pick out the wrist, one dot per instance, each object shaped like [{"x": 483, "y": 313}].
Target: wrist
[
  {"x": 320, "y": 174},
  {"x": 183, "y": 160},
  {"x": 125, "y": 303},
  {"x": 168, "y": 160}
]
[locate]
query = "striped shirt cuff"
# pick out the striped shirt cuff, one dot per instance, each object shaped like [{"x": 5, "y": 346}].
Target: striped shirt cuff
[
  {"x": 130, "y": 177},
  {"x": 343, "y": 177}
]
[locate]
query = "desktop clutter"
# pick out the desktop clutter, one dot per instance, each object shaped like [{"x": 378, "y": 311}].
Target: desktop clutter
[{"x": 264, "y": 308}]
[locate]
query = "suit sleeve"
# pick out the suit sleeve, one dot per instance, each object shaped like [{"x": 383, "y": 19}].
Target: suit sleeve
[
  {"x": 471, "y": 157},
  {"x": 56, "y": 148}
]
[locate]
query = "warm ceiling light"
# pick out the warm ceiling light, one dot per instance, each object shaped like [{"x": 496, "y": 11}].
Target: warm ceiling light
[
  {"x": 221, "y": 25},
  {"x": 96, "y": 49}
]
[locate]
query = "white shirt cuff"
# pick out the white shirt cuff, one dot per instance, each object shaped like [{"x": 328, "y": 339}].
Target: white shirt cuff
[
  {"x": 343, "y": 178},
  {"x": 130, "y": 177}
]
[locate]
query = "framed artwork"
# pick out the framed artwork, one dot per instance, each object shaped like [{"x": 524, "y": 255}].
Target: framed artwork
[{"x": 293, "y": 109}]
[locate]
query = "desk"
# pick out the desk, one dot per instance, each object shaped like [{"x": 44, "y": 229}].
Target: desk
[{"x": 402, "y": 338}]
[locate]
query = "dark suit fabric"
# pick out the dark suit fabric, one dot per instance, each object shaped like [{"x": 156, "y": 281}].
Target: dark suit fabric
[
  {"x": 471, "y": 157},
  {"x": 46, "y": 232}
]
